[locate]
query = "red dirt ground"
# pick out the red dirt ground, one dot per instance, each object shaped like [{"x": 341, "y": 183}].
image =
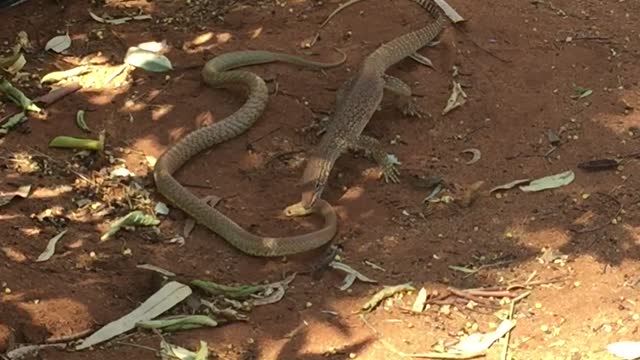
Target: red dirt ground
[{"x": 519, "y": 60}]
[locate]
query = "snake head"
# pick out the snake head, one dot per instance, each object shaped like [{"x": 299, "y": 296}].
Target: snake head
[{"x": 297, "y": 209}]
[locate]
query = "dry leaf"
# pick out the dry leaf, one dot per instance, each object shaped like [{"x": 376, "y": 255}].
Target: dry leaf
[
  {"x": 59, "y": 43},
  {"x": 51, "y": 247}
]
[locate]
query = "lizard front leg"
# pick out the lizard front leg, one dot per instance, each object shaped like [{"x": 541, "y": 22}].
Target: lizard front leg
[
  {"x": 405, "y": 101},
  {"x": 372, "y": 146}
]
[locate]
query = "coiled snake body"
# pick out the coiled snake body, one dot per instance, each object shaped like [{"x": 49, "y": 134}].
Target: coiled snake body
[{"x": 215, "y": 73}]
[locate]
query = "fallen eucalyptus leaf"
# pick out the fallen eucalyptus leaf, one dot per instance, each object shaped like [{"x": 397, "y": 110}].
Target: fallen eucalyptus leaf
[
  {"x": 509, "y": 185},
  {"x": 599, "y": 164},
  {"x": 51, "y": 247},
  {"x": 449, "y": 11},
  {"x": 80, "y": 121},
  {"x": 421, "y": 59},
  {"x": 9, "y": 60},
  {"x": 352, "y": 275},
  {"x": 17, "y": 65},
  {"x": 147, "y": 60},
  {"x": 54, "y": 77},
  {"x": 173, "y": 352},
  {"x": 17, "y": 96},
  {"x": 156, "y": 269},
  {"x": 463, "y": 269},
  {"x": 433, "y": 193},
  {"x": 164, "y": 299},
  {"x": 178, "y": 323},
  {"x": 581, "y": 92},
  {"x": 273, "y": 292},
  {"x": 386, "y": 292},
  {"x": 233, "y": 292},
  {"x": 30, "y": 351},
  {"x": 550, "y": 182},
  {"x": 133, "y": 219},
  {"x": 458, "y": 98},
  {"x": 481, "y": 342},
  {"x": 59, "y": 43},
  {"x": 12, "y": 122},
  {"x": 68, "y": 142},
  {"x": 421, "y": 301},
  {"x": 6, "y": 197},
  {"x": 476, "y": 155},
  {"x": 118, "y": 21},
  {"x": 154, "y": 46}
]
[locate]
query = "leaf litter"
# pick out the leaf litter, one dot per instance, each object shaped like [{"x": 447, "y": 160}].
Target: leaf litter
[
  {"x": 162, "y": 300},
  {"x": 51, "y": 247},
  {"x": 22, "y": 192}
]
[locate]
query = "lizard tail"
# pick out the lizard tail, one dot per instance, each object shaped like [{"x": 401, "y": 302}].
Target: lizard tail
[{"x": 399, "y": 48}]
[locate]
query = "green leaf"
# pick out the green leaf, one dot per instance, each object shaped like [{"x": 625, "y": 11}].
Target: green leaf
[
  {"x": 81, "y": 122},
  {"x": 232, "y": 292},
  {"x": 17, "y": 96},
  {"x": 13, "y": 121},
  {"x": 54, "y": 77},
  {"x": 147, "y": 60},
  {"x": 177, "y": 323},
  {"x": 134, "y": 218},
  {"x": 68, "y": 142}
]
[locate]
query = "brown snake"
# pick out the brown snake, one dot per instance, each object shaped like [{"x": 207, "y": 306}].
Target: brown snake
[{"x": 215, "y": 73}]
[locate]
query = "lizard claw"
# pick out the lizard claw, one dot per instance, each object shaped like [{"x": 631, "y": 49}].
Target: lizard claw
[
  {"x": 390, "y": 174},
  {"x": 410, "y": 108}
]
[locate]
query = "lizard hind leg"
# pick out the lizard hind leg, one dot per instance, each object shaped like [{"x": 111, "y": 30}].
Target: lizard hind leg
[{"x": 405, "y": 100}]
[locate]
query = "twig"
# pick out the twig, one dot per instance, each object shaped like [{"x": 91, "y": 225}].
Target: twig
[
  {"x": 68, "y": 338},
  {"x": 505, "y": 350},
  {"x": 336, "y": 11}
]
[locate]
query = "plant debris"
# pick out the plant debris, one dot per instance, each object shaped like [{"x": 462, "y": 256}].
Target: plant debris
[
  {"x": 451, "y": 13},
  {"x": 581, "y": 92},
  {"x": 59, "y": 43},
  {"x": 173, "y": 352},
  {"x": 56, "y": 76},
  {"x": 457, "y": 98},
  {"x": 162, "y": 300},
  {"x": 476, "y": 343},
  {"x": 147, "y": 60},
  {"x": 476, "y": 155},
  {"x": 17, "y": 96},
  {"x": 80, "y": 121},
  {"x": 509, "y": 185},
  {"x": 68, "y": 142},
  {"x": 12, "y": 122},
  {"x": 51, "y": 247},
  {"x": 118, "y": 21},
  {"x": 133, "y": 219},
  {"x": 386, "y": 292},
  {"x": 550, "y": 182},
  {"x": 6, "y": 197},
  {"x": 352, "y": 275},
  {"x": 599, "y": 164},
  {"x": 178, "y": 323}
]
